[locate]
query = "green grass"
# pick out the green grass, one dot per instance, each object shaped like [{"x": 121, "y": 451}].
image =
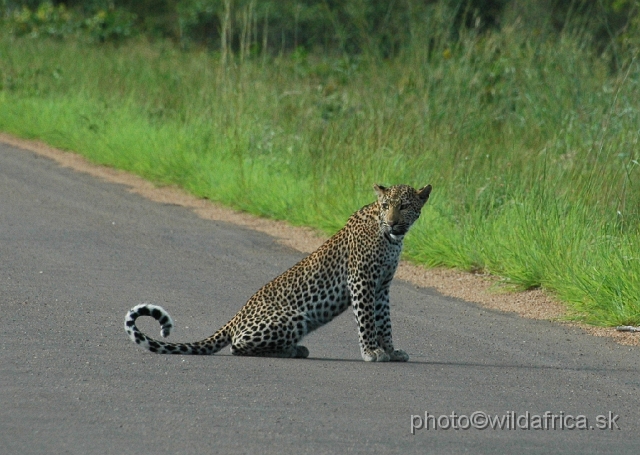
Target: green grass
[{"x": 531, "y": 144}]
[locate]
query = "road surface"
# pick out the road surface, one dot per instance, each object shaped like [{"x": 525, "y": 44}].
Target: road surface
[{"x": 76, "y": 253}]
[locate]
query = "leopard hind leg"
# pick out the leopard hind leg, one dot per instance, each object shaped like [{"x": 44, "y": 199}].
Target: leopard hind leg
[{"x": 265, "y": 349}]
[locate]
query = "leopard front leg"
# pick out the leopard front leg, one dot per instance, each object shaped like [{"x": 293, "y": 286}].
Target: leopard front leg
[
  {"x": 362, "y": 299},
  {"x": 383, "y": 325}
]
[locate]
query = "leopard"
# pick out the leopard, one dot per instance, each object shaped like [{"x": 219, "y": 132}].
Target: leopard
[{"x": 353, "y": 268}]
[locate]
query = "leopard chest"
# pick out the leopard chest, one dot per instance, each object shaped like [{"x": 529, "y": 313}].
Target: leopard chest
[{"x": 387, "y": 262}]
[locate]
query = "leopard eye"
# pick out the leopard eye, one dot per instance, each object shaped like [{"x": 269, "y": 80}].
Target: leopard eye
[{"x": 385, "y": 205}]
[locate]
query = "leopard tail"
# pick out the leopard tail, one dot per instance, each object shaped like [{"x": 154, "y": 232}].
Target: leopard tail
[{"x": 209, "y": 346}]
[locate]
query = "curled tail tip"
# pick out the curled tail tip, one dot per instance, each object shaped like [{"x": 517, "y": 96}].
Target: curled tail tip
[{"x": 146, "y": 309}]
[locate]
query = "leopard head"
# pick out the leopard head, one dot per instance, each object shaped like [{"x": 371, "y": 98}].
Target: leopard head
[{"x": 399, "y": 208}]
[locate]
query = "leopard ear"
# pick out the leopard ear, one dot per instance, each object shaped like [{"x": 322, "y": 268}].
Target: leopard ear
[
  {"x": 380, "y": 190},
  {"x": 423, "y": 193}
]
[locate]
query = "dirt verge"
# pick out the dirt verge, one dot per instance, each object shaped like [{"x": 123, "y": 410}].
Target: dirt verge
[{"x": 481, "y": 289}]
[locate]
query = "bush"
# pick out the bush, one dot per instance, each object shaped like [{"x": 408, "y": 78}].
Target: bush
[
  {"x": 375, "y": 27},
  {"x": 57, "y": 21}
]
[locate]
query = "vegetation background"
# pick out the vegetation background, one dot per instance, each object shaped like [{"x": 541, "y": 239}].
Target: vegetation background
[{"x": 522, "y": 114}]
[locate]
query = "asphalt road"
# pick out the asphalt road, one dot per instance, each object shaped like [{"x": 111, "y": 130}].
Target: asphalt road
[{"x": 76, "y": 253}]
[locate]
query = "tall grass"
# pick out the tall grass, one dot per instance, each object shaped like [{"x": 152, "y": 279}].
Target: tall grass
[{"x": 530, "y": 142}]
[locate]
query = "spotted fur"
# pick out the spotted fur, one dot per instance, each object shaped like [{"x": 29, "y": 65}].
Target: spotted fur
[{"x": 353, "y": 268}]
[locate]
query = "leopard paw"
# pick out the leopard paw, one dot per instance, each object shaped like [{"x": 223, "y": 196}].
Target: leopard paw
[
  {"x": 398, "y": 355},
  {"x": 375, "y": 355}
]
